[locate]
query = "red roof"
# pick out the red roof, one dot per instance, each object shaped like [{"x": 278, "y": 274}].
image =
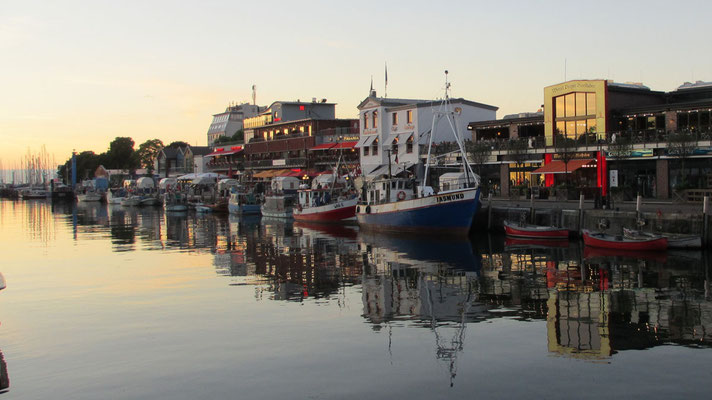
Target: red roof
[
  {"x": 325, "y": 146},
  {"x": 558, "y": 167}
]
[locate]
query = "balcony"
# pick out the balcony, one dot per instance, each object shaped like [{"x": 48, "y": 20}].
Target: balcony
[{"x": 280, "y": 162}]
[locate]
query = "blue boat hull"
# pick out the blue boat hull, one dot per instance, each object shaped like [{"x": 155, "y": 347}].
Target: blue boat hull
[{"x": 445, "y": 218}]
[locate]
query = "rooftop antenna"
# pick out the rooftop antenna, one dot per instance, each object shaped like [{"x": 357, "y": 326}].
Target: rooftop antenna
[{"x": 254, "y": 95}]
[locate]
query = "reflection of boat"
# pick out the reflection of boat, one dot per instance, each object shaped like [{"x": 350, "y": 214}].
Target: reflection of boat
[
  {"x": 457, "y": 253},
  {"x": 590, "y": 253},
  {"x": 535, "y": 231},
  {"x": 597, "y": 239},
  {"x": 674, "y": 241},
  {"x": 535, "y": 243},
  {"x": 333, "y": 230}
]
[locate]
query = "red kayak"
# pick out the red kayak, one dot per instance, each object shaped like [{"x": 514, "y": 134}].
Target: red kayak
[
  {"x": 534, "y": 231},
  {"x": 602, "y": 240}
]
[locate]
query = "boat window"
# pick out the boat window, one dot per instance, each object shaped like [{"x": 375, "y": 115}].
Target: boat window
[
  {"x": 394, "y": 184},
  {"x": 409, "y": 185}
]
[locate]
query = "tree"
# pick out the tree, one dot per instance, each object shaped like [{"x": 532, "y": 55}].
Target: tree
[
  {"x": 479, "y": 153},
  {"x": 681, "y": 145},
  {"x": 147, "y": 153},
  {"x": 121, "y": 154},
  {"x": 177, "y": 144},
  {"x": 518, "y": 151},
  {"x": 566, "y": 149},
  {"x": 87, "y": 163}
]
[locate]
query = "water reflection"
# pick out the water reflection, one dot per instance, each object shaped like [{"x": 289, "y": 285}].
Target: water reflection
[{"x": 590, "y": 304}]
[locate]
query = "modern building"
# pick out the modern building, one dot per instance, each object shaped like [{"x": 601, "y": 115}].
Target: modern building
[
  {"x": 397, "y": 131},
  {"x": 618, "y": 136},
  {"x": 230, "y": 121}
]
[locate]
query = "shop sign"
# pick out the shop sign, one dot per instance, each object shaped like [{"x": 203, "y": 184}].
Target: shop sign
[
  {"x": 613, "y": 178},
  {"x": 576, "y": 156}
]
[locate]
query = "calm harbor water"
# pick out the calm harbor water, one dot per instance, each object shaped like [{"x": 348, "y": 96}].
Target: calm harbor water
[{"x": 109, "y": 302}]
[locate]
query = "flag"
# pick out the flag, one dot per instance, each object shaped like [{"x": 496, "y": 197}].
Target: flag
[{"x": 385, "y": 92}]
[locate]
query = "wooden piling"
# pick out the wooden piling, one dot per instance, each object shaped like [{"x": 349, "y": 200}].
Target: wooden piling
[
  {"x": 489, "y": 212},
  {"x": 580, "y": 216},
  {"x": 705, "y": 220}
]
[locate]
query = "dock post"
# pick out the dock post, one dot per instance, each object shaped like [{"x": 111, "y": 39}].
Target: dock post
[
  {"x": 532, "y": 217},
  {"x": 489, "y": 212},
  {"x": 638, "y": 203},
  {"x": 580, "y": 216},
  {"x": 705, "y": 220}
]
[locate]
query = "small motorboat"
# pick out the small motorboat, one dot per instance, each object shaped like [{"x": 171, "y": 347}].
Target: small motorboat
[
  {"x": 535, "y": 231},
  {"x": 674, "y": 241},
  {"x": 602, "y": 240}
]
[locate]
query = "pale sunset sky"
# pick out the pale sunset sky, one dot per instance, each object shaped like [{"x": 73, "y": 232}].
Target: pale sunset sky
[{"x": 76, "y": 74}]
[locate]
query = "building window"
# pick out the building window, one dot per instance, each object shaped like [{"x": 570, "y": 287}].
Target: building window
[
  {"x": 409, "y": 116},
  {"x": 575, "y": 114},
  {"x": 409, "y": 145},
  {"x": 375, "y": 119},
  {"x": 395, "y": 118},
  {"x": 365, "y": 120},
  {"x": 394, "y": 147},
  {"x": 366, "y": 150},
  {"x": 374, "y": 147}
]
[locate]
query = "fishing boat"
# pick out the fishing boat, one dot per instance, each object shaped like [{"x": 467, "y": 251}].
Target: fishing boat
[
  {"x": 534, "y": 231},
  {"x": 330, "y": 199},
  {"x": 174, "y": 202},
  {"x": 89, "y": 195},
  {"x": 674, "y": 241},
  {"x": 402, "y": 204},
  {"x": 241, "y": 203},
  {"x": 602, "y": 240},
  {"x": 61, "y": 192},
  {"x": 279, "y": 201}
]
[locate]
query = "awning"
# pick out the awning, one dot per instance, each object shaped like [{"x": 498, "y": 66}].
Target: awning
[
  {"x": 558, "y": 167},
  {"x": 325, "y": 146},
  {"x": 402, "y": 137},
  {"x": 366, "y": 141},
  {"x": 344, "y": 145},
  {"x": 300, "y": 173},
  {"x": 225, "y": 152},
  {"x": 391, "y": 139}
]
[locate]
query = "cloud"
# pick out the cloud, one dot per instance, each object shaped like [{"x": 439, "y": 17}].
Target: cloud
[{"x": 17, "y": 30}]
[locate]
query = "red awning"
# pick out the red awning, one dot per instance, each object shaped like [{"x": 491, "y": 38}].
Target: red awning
[
  {"x": 345, "y": 145},
  {"x": 325, "y": 146},
  {"x": 558, "y": 167},
  {"x": 225, "y": 152}
]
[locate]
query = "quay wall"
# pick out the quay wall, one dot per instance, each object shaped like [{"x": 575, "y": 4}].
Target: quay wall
[{"x": 492, "y": 217}]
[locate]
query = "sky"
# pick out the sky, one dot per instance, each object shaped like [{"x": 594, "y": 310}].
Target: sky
[{"x": 77, "y": 74}]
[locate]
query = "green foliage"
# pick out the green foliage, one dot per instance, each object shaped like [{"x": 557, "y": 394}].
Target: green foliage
[
  {"x": 120, "y": 155},
  {"x": 147, "y": 153},
  {"x": 87, "y": 163},
  {"x": 177, "y": 144}
]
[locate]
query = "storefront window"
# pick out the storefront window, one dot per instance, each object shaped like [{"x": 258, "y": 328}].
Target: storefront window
[
  {"x": 580, "y": 104},
  {"x": 590, "y": 103}
]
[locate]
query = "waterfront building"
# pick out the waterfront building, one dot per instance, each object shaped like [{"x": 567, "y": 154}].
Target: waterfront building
[
  {"x": 618, "y": 138},
  {"x": 296, "y": 138},
  {"x": 181, "y": 160},
  {"x": 230, "y": 121},
  {"x": 396, "y": 131}
]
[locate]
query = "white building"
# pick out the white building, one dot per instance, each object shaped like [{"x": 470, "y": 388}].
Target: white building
[
  {"x": 229, "y": 122},
  {"x": 401, "y": 128}
]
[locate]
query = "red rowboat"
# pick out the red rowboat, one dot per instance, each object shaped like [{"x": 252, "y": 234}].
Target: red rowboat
[
  {"x": 605, "y": 241},
  {"x": 535, "y": 231},
  {"x": 601, "y": 254}
]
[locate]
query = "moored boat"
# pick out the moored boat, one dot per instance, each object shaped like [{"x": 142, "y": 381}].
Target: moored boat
[
  {"x": 404, "y": 204},
  {"x": 329, "y": 200},
  {"x": 243, "y": 203},
  {"x": 534, "y": 231},
  {"x": 279, "y": 202},
  {"x": 602, "y": 240},
  {"x": 674, "y": 241}
]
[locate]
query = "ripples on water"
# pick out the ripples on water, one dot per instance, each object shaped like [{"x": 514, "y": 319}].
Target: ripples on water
[{"x": 112, "y": 302}]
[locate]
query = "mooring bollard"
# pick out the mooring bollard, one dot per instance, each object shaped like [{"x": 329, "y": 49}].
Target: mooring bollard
[{"x": 531, "y": 209}]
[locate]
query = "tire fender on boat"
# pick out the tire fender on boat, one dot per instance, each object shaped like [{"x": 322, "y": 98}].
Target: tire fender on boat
[
  {"x": 401, "y": 195},
  {"x": 368, "y": 209}
]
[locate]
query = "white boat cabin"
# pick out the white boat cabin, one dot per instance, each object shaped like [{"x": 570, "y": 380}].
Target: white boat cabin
[
  {"x": 391, "y": 190},
  {"x": 285, "y": 184},
  {"x": 457, "y": 181}
]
